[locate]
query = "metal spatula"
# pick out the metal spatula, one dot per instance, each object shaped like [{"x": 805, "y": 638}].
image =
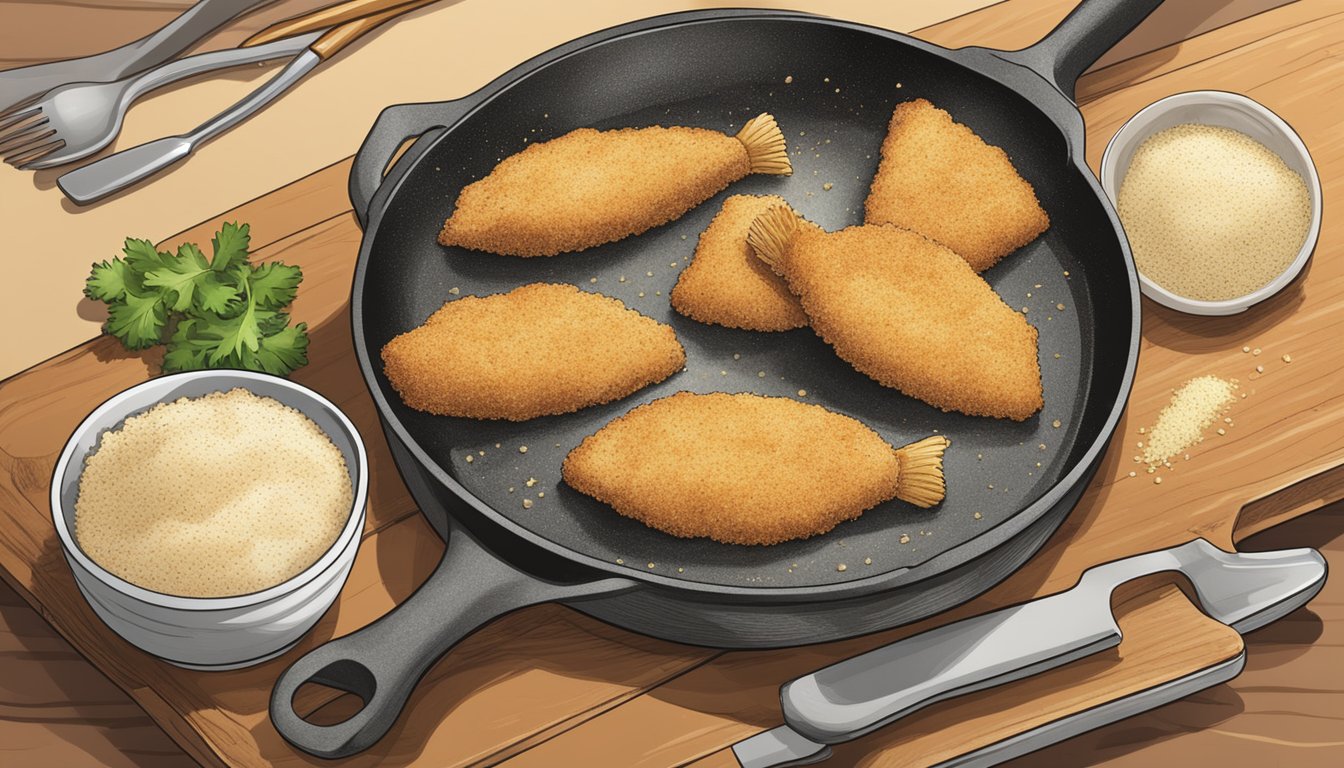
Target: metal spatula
[{"x": 858, "y": 695}]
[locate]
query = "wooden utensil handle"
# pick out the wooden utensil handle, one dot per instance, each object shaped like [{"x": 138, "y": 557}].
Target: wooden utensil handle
[
  {"x": 341, "y": 36},
  {"x": 323, "y": 18}
]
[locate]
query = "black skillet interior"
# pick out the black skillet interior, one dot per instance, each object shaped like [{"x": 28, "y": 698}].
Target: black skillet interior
[{"x": 832, "y": 89}]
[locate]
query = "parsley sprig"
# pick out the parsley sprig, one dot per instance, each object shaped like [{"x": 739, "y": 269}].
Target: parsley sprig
[{"x": 221, "y": 312}]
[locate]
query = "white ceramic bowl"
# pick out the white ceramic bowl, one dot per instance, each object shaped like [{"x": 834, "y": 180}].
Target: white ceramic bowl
[
  {"x": 210, "y": 632},
  {"x": 1229, "y": 110}
]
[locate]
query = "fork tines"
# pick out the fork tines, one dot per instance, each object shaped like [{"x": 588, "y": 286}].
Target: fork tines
[{"x": 25, "y": 137}]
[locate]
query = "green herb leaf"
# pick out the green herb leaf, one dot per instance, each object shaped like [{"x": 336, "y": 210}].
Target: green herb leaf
[
  {"x": 230, "y": 245},
  {"x": 274, "y": 284},
  {"x": 280, "y": 353},
  {"x": 214, "y": 293},
  {"x": 233, "y": 334},
  {"x": 186, "y": 350},
  {"x": 110, "y": 280},
  {"x": 226, "y": 312},
  {"x": 179, "y": 275},
  {"x": 142, "y": 256},
  {"x": 137, "y": 320}
]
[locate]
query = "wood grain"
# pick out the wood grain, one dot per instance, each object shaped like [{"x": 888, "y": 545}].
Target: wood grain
[{"x": 486, "y": 702}]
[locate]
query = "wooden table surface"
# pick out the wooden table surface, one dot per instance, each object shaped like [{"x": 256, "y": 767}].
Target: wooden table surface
[{"x": 55, "y": 709}]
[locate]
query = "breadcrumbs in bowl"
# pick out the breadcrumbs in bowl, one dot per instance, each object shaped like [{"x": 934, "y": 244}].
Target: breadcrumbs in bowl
[
  {"x": 221, "y": 546},
  {"x": 1219, "y": 198},
  {"x": 220, "y": 495}
]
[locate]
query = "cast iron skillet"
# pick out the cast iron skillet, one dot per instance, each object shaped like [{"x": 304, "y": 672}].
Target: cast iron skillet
[{"x": 832, "y": 86}]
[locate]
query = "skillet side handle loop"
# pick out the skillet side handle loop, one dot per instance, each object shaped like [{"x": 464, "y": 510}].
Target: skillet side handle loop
[
  {"x": 1090, "y": 30},
  {"x": 393, "y": 127},
  {"x": 383, "y": 662}
]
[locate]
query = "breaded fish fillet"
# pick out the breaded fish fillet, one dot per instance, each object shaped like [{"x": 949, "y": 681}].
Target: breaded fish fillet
[
  {"x": 941, "y": 180},
  {"x": 537, "y": 350},
  {"x": 907, "y": 312},
  {"x": 592, "y": 187},
  {"x": 746, "y": 469},
  {"x": 726, "y": 284}
]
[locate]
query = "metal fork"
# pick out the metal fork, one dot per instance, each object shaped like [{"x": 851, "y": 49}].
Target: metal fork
[
  {"x": 78, "y": 119},
  {"x": 19, "y": 86}
]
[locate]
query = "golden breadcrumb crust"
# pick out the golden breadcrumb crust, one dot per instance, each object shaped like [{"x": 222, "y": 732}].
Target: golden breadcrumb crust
[
  {"x": 941, "y": 180},
  {"x": 537, "y": 350},
  {"x": 739, "y": 469},
  {"x": 726, "y": 284},
  {"x": 592, "y": 187},
  {"x": 914, "y": 316}
]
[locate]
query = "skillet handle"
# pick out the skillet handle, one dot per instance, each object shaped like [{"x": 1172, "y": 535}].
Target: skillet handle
[
  {"x": 1090, "y": 30},
  {"x": 393, "y": 127},
  {"x": 383, "y": 662}
]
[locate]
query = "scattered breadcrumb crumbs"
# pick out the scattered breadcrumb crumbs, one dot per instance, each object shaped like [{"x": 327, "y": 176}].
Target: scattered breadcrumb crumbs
[
  {"x": 1259, "y": 369},
  {"x": 867, "y": 561},
  {"x": 802, "y": 393},
  {"x": 1157, "y": 480},
  {"x": 592, "y": 279},
  {"x": 470, "y": 458},
  {"x": 522, "y": 449},
  {"x": 841, "y": 567},
  {"x": 454, "y": 290},
  {"x": 978, "y": 515},
  {"x": 1245, "y": 349},
  {"x": 651, "y": 565},
  {"x": 1055, "y": 423},
  {"x": 619, "y": 561},
  {"x": 1132, "y": 473},
  {"x": 1192, "y": 409},
  {"x": 1255, "y": 351},
  {"x": 527, "y": 503},
  {"x": 1060, "y": 307},
  {"x": 905, "y": 538},
  {"x": 760, "y": 374},
  {"x": 827, "y": 186},
  {"x": 1287, "y": 358},
  {"x": 531, "y": 481},
  {"x": 788, "y": 79}
]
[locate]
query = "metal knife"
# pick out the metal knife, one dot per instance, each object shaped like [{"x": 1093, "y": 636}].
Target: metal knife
[{"x": 856, "y": 696}]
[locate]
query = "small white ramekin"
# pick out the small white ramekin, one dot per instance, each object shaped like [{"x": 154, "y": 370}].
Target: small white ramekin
[
  {"x": 1229, "y": 110},
  {"x": 211, "y": 633}
]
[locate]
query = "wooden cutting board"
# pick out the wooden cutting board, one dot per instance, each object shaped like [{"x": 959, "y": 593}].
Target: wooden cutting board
[{"x": 549, "y": 686}]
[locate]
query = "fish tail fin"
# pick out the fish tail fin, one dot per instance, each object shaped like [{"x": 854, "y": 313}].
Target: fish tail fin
[
  {"x": 921, "y": 481},
  {"x": 771, "y": 233},
  {"x": 767, "y": 150}
]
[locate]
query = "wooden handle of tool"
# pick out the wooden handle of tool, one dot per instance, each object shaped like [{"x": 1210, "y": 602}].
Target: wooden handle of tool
[
  {"x": 332, "y": 16},
  {"x": 341, "y": 36}
]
